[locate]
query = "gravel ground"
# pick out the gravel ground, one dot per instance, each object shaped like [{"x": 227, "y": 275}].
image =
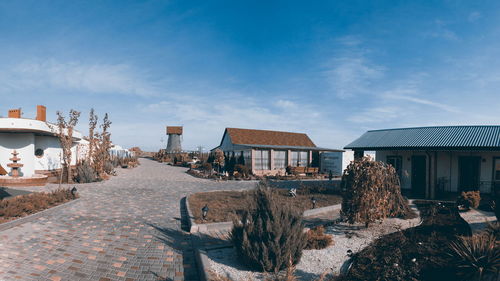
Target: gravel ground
[{"x": 330, "y": 260}]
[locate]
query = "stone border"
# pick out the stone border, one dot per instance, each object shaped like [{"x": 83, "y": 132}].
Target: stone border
[
  {"x": 32, "y": 217},
  {"x": 228, "y": 225},
  {"x": 203, "y": 262}
]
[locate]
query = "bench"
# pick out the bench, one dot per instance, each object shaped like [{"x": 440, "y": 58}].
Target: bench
[{"x": 305, "y": 170}]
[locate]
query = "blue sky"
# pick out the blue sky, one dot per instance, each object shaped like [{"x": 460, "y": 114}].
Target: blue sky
[{"x": 331, "y": 69}]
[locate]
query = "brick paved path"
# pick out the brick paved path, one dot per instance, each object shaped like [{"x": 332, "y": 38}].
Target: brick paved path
[{"x": 127, "y": 228}]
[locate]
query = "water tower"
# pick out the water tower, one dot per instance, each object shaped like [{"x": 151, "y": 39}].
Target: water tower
[{"x": 174, "y": 139}]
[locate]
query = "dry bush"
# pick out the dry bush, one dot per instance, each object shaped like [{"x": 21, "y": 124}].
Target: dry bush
[
  {"x": 85, "y": 173},
  {"x": 371, "y": 192},
  {"x": 317, "y": 239},
  {"x": 207, "y": 168},
  {"x": 493, "y": 229},
  {"x": 269, "y": 235},
  {"x": 476, "y": 257},
  {"x": 242, "y": 170},
  {"x": 469, "y": 199},
  {"x": 23, "y": 205}
]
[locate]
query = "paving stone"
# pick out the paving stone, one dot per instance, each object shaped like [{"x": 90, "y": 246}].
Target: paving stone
[{"x": 131, "y": 220}]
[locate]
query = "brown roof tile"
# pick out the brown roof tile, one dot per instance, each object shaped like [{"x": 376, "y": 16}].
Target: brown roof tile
[
  {"x": 177, "y": 130},
  {"x": 264, "y": 137}
]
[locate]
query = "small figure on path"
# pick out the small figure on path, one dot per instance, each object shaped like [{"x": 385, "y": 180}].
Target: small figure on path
[{"x": 292, "y": 192}]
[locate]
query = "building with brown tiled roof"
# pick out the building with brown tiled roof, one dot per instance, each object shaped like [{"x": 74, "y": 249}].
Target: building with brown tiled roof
[{"x": 270, "y": 152}]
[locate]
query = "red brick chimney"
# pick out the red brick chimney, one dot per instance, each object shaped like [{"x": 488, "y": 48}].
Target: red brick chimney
[
  {"x": 15, "y": 113},
  {"x": 41, "y": 113}
]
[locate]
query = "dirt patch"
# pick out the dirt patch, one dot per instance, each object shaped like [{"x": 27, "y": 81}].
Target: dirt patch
[{"x": 225, "y": 205}]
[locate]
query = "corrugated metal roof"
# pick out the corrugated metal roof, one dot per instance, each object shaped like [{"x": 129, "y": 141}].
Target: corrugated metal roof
[{"x": 444, "y": 137}]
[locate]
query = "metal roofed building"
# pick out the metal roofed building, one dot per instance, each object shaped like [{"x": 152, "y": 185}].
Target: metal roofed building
[
  {"x": 270, "y": 152},
  {"x": 433, "y": 161}
]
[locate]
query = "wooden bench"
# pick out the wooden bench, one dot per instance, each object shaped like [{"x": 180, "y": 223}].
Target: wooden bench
[{"x": 305, "y": 170}]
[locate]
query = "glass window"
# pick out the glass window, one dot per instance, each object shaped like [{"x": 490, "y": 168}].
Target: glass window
[
  {"x": 497, "y": 169},
  {"x": 262, "y": 160},
  {"x": 247, "y": 155},
  {"x": 396, "y": 162},
  {"x": 280, "y": 159},
  {"x": 299, "y": 158}
]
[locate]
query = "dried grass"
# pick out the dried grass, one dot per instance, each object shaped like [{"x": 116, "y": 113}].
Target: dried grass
[
  {"x": 225, "y": 205},
  {"x": 24, "y": 205},
  {"x": 317, "y": 239}
]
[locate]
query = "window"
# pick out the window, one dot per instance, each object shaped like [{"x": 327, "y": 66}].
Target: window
[
  {"x": 497, "y": 169},
  {"x": 299, "y": 158},
  {"x": 39, "y": 152},
  {"x": 247, "y": 155},
  {"x": 280, "y": 159},
  {"x": 396, "y": 162},
  {"x": 262, "y": 160}
]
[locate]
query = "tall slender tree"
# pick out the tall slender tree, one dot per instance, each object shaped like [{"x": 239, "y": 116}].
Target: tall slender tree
[
  {"x": 65, "y": 134},
  {"x": 91, "y": 138}
]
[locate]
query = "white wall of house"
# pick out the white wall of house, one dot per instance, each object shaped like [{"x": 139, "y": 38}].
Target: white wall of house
[
  {"x": 52, "y": 152},
  {"x": 23, "y": 143},
  {"x": 447, "y": 166}
]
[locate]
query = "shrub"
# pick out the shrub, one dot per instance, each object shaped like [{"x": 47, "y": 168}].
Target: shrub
[
  {"x": 317, "y": 239},
  {"x": 469, "y": 199},
  {"x": 109, "y": 168},
  {"x": 476, "y": 257},
  {"x": 415, "y": 253},
  {"x": 493, "y": 229},
  {"x": 269, "y": 235},
  {"x": 85, "y": 173},
  {"x": 207, "y": 168},
  {"x": 371, "y": 192},
  {"x": 241, "y": 169},
  {"x": 497, "y": 205}
]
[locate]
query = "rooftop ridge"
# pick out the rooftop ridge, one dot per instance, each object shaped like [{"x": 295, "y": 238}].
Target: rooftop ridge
[
  {"x": 266, "y": 130},
  {"x": 430, "y": 127}
]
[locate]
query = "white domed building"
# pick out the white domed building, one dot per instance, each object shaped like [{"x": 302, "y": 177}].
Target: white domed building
[{"x": 37, "y": 145}]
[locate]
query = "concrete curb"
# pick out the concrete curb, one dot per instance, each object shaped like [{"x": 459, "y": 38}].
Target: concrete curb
[
  {"x": 312, "y": 212},
  {"x": 32, "y": 217},
  {"x": 203, "y": 264},
  {"x": 204, "y": 269},
  {"x": 228, "y": 225}
]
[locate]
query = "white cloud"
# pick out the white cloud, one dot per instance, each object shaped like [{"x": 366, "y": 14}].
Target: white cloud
[
  {"x": 401, "y": 95},
  {"x": 205, "y": 118},
  {"x": 380, "y": 114},
  {"x": 440, "y": 30},
  {"x": 474, "y": 16},
  {"x": 76, "y": 76},
  {"x": 351, "y": 75},
  {"x": 286, "y": 104}
]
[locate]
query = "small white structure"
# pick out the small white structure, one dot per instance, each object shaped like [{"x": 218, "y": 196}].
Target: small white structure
[
  {"x": 35, "y": 141},
  {"x": 120, "y": 152}
]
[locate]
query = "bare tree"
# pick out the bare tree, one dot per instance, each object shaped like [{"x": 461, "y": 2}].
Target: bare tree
[
  {"x": 102, "y": 147},
  {"x": 92, "y": 125},
  {"x": 65, "y": 135}
]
